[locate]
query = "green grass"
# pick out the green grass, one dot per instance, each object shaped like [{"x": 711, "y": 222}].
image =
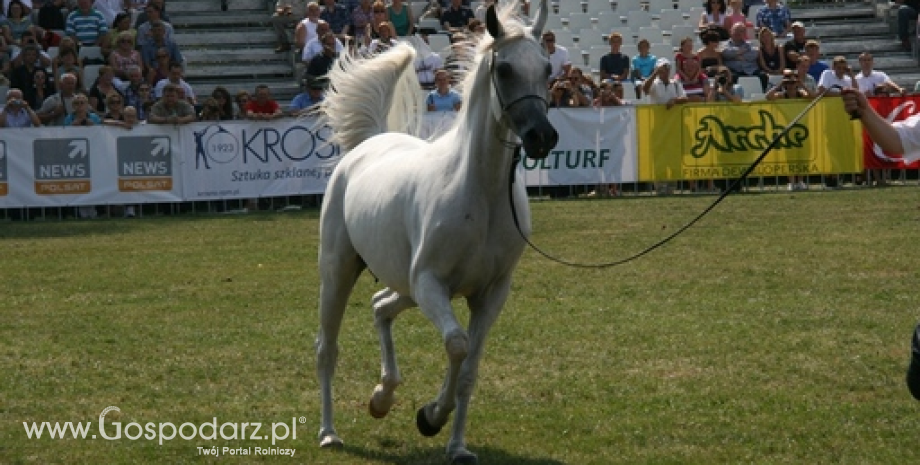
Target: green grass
[{"x": 776, "y": 331}]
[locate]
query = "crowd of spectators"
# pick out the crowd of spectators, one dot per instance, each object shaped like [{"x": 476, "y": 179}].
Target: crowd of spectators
[{"x": 137, "y": 74}]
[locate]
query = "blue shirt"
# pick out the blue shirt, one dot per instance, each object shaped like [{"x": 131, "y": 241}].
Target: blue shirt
[
  {"x": 304, "y": 100},
  {"x": 86, "y": 28},
  {"x": 774, "y": 18},
  {"x": 815, "y": 69},
  {"x": 68, "y": 120},
  {"x": 338, "y": 18},
  {"x": 445, "y": 102},
  {"x": 645, "y": 65}
]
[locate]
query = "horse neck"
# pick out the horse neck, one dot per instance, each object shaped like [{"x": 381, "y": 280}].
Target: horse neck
[{"x": 486, "y": 140}]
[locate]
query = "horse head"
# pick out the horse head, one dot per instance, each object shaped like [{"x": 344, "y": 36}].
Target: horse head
[{"x": 519, "y": 70}]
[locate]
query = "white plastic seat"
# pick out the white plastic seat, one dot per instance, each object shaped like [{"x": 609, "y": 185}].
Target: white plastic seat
[
  {"x": 751, "y": 86},
  {"x": 578, "y": 21},
  {"x": 652, "y": 34},
  {"x": 90, "y": 52},
  {"x": 678, "y": 33},
  {"x": 439, "y": 43},
  {"x": 671, "y": 18},
  {"x": 591, "y": 37},
  {"x": 638, "y": 18},
  {"x": 599, "y": 6}
]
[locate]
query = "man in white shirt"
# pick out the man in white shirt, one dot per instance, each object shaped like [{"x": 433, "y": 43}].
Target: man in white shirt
[
  {"x": 872, "y": 82},
  {"x": 661, "y": 89},
  {"x": 315, "y": 46},
  {"x": 840, "y": 74},
  {"x": 558, "y": 58}
]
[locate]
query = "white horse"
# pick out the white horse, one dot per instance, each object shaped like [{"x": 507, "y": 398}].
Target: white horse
[{"x": 430, "y": 219}]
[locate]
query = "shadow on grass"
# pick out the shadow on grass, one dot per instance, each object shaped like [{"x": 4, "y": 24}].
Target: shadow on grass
[
  {"x": 71, "y": 227},
  {"x": 437, "y": 455}
]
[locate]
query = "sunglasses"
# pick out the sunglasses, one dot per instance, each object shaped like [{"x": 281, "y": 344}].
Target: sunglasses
[
  {"x": 549, "y": 39},
  {"x": 162, "y": 55}
]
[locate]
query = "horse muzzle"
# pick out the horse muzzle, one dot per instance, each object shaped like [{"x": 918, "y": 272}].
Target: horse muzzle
[{"x": 539, "y": 139}]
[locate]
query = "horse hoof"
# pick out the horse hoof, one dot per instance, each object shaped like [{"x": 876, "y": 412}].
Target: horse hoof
[
  {"x": 331, "y": 442},
  {"x": 464, "y": 459},
  {"x": 421, "y": 421},
  {"x": 378, "y": 414}
]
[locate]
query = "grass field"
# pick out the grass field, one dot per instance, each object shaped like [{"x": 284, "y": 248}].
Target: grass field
[{"x": 776, "y": 331}]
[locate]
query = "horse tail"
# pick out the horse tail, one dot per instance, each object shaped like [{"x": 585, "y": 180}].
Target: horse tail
[{"x": 372, "y": 95}]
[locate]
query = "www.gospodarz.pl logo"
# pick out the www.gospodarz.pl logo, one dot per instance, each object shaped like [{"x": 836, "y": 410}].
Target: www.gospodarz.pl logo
[{"x": 166, "y": 431}]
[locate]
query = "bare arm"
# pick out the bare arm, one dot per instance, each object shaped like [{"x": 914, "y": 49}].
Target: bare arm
[{"x": 879, "y": 129}]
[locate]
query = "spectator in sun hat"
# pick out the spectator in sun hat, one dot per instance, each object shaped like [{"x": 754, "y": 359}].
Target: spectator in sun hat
[
  {"x": 313, "y": 94},
  {"x": 661, "y": 88}
]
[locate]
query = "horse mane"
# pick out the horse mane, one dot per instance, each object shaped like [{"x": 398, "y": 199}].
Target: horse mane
[{"x": 370, "y": 95}]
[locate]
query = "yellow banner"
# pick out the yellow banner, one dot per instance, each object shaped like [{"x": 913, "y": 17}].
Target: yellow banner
[{"x": 709, "y": 141}]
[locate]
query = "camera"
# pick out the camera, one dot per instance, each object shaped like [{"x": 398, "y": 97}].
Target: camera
[
  {"x": 15, "y": 102},
  {"x": 722, "y": 80}
]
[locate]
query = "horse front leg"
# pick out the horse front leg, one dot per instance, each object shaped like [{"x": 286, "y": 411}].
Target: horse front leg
[
  {"x": 387, "y": 305},
  {"x": 484, "y": 310},
  {"x": 434, "y": 301}
]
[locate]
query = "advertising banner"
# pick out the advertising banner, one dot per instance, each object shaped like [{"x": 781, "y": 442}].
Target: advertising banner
[
  {"x": 892, "y": 109},
  {"x": 710, "y": 141},
  {"x": 240, "y": 159},
  {"x": 47, "y": 167},
  {"x": 596, "y": 145}
]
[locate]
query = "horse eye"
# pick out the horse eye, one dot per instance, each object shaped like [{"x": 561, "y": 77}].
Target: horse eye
[{"x": 504, "y": 70}]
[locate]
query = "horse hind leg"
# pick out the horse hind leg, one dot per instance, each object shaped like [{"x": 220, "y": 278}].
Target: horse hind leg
[
  {"x": 387, "y": 305},
  {"x": 338, "y": 274}
]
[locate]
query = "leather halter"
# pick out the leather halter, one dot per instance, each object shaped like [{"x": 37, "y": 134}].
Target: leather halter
[{"x": 502, "y": 106}]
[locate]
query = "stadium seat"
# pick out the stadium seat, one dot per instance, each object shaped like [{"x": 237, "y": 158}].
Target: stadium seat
[
  {"x": 599, "y": 6},
  {"x": 90, "y": 73},
  {"x": 678, "y": 33},
  {"x": 638, "y": 18},
  {"x": 439, "y": 43},
  {"x": 751, "y": 86},
  {"x": 591, "y": 37},
  {"x": 90, "y": 53},
  {"x": 671, "y": 18},
  {"x": 655, "y": 7},
  {"x": 653, "y": 35},
  {"x": 430, "y": 23},
  {"x": 578, "y": 21}
]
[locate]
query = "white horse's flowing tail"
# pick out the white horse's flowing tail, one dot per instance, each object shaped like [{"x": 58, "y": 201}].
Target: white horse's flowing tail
[{"x": 370, "y": 96}]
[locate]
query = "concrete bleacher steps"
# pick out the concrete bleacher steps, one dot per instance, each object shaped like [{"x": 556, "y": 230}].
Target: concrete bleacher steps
[{"x": 229, "y": 43}]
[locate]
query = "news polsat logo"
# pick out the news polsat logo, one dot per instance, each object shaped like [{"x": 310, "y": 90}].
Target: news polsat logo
[
  {"x": 144, "y": 164},
  {"x": 61, "y": 166},
  {"x": 4, "y": 183}
]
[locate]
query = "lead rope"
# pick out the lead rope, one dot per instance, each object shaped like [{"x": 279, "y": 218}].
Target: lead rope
[{"x": 516, "y": 158}]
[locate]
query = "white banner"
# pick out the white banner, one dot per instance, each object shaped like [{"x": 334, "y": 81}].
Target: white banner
[
  {"x": 53, "y": 166},
  {"x": 596, "y": 145},
  {"x": 238, "y": 159},
  {"x": 46, "y": 167}
]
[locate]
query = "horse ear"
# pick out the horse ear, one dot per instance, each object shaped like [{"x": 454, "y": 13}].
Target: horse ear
[
  {"x": 540, "y": 21},
  {"x": 493, "y": 25}
]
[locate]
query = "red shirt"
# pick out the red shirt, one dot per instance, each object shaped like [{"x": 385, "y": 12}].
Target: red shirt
[{"x": 269, "y": 108}]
